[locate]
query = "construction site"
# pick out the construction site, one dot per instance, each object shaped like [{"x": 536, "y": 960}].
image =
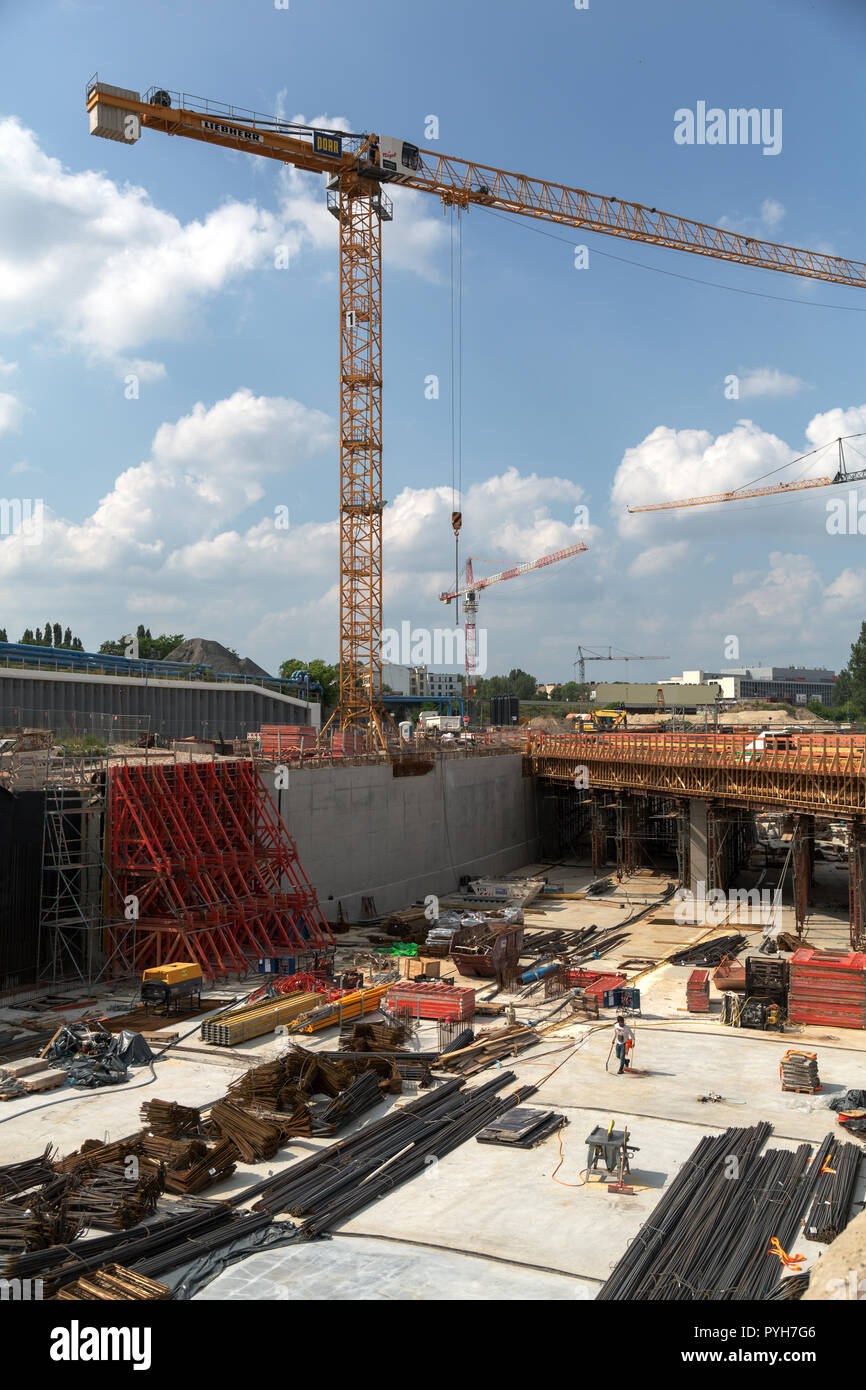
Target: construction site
[{"x": 369, "y": 1000}]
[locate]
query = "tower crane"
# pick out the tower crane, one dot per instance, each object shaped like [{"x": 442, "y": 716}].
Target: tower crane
[
  {"x": 842, "y": 475},
  {"x": 584, "y": 656},
  {"x": 358, "y": 167},
  {"x": 471, "y": 587}
]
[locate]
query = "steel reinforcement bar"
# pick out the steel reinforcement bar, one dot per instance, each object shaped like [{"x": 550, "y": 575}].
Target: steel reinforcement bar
[{"x": 820, "y": 773}]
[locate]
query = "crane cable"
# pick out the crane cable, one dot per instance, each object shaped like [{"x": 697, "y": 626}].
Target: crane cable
[{"x": 456, "y": 393}]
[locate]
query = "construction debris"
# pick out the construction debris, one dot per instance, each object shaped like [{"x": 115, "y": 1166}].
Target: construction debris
[{"x": 488, "y": 1048}]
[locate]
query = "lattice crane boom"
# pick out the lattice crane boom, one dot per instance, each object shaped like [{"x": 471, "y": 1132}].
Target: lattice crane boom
[
  {"x": 842, "y": 475},
  {"x": 358, "y": 165},
  {"x": 469, "y": 591}
]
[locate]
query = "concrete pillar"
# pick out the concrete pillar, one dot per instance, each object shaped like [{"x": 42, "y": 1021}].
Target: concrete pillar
[
  {"x": 857, "y": 885},
  {"x": 803, "y": 862},
  {"x": 698, "y": 857}
]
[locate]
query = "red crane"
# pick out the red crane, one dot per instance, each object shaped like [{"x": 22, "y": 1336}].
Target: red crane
[{"x": 472, "y": 586}]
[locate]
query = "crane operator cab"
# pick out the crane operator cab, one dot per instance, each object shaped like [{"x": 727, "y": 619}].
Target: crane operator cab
[{"x": 394, "y": 160}]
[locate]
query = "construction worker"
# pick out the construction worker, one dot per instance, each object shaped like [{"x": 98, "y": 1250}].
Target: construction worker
[{"x": 624, "y": 1042}]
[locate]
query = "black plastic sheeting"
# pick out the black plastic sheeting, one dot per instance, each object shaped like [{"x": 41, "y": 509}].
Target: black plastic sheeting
[
  {"x": 849, "y": 1100},
  {"x": 132, "y": 1049},
  {"x": 187, "y": 1281}
]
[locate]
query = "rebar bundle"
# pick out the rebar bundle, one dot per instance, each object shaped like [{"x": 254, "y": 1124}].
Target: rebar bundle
[
  {"x": 261, "y": 1085},
  {"x": 834, "y": 1192},
  {"x": 254, "y": 1138},
  {"x": 35, "y": 1227},
  {"x": 711, "y": 952},
  {"x": 373, "y": 1037},
  {"x": 362, "y": 1093},
  {"x": 112, "y": 1201},
  {"x": 217, "y": 1163},
  {"x": 331, "y": 1185},
  {"x": 170, "y": 1120},
  {"x": 95, "y": 1154},
  {"x": 718, "y": 1230},
  {"x": 163, "y": 1243},
  {"x": 29, "y": 1172},
  {"x": 173, "y": 1153}
]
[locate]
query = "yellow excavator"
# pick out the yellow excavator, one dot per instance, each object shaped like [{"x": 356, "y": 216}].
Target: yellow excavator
[{"x": 600, "y": 721}]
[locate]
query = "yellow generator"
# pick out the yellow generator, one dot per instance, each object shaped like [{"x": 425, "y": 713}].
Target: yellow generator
[{"x": 163, "y": 985}]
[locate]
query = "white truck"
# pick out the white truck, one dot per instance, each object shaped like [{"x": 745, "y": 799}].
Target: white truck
[{"x": 431, "y": 723}]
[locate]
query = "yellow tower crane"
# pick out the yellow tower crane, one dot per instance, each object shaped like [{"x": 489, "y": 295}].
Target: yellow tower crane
[{"x": 357, "y": 167}]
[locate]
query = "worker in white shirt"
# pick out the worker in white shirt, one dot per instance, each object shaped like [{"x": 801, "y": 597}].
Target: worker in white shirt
[{"x": 623, "y": 1038}]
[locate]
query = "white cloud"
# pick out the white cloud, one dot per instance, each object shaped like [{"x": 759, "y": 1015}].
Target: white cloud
[
  {"x": 768, "y": 381},
  {"x": 672, "y": 464},
  {"x": 11, "y": 413},
  {"x": 658, "y": 558},
  {"x": 7, "y": 368},
  {"x": 769, "y": 219},
  {"x": 101, "y": 268},
  {"x": 829, "y": 425},
  {"x": 171, "y": 538}
]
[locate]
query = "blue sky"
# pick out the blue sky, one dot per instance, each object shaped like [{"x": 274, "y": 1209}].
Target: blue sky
[{"x": 580, "y": 387}]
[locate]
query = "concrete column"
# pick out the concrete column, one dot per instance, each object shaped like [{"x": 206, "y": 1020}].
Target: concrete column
[
  {"x": 803, "y": 862},
  {"x": 856, "y": 877},
  {"x": 698, "y": 859}
]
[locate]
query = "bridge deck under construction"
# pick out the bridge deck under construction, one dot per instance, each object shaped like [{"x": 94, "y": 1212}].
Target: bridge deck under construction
[{"x": 821, "y": 774}]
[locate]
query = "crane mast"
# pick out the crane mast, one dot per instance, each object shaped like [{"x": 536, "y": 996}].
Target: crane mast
[{"x": 357, "y": 166}]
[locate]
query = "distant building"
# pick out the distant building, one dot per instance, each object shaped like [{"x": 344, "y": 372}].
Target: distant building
[
  {"x": 434, "y": 685},
  {"x": 643, "y": 696},
  {"x": 417, "y": 681},
  {"x": 396, "y": 678},
  {"x": 795, "y": 684}
]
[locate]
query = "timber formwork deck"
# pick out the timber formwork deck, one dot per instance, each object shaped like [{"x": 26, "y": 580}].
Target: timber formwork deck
[{"x": 823, "y": 774}]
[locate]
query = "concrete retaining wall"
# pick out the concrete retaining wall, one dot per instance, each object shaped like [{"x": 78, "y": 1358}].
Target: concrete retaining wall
[{"x": 362, "y": 832}]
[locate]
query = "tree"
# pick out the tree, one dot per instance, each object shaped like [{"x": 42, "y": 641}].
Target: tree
[
  {"x": 517, "y": 682},
  {"x": 58, "y": 635},
  {"x": 855, "y": 672},
  {"x": 149, "y": 648},
  {"x": 328, "y": 676},
  {"x": 67, "y": 638},
  {"x": 3, "y": 637}
]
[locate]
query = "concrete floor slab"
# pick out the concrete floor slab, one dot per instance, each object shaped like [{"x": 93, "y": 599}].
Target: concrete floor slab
[{"x": 367, "y": 1269}]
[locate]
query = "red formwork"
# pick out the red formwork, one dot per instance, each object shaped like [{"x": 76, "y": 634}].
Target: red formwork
[
  {"x": 285, "y": 741},
  {"x": 698, "y": 992},
  {"x": 430, "y": 1000},
  {"x": 828, "y": 987},
  {"x": 596, "y": 981},
  {"x": 202, "y": 868}
]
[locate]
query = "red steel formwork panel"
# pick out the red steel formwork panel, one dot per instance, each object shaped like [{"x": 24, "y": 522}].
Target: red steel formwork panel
[
  {"x": 422, "y": 1000},
  {"x": 212, "y": 872},
  {"x": 828, "y": 987}
]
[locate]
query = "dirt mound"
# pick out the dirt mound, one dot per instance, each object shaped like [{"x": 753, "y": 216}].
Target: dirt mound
[
  {"x": 199, "y": 651},
  {"x": 547, "y": 724}
]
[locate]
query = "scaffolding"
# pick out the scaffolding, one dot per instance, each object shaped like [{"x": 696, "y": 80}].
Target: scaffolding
[
  {"x": 202, "y": 868},
  {"x": 72, "y": 921}
]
